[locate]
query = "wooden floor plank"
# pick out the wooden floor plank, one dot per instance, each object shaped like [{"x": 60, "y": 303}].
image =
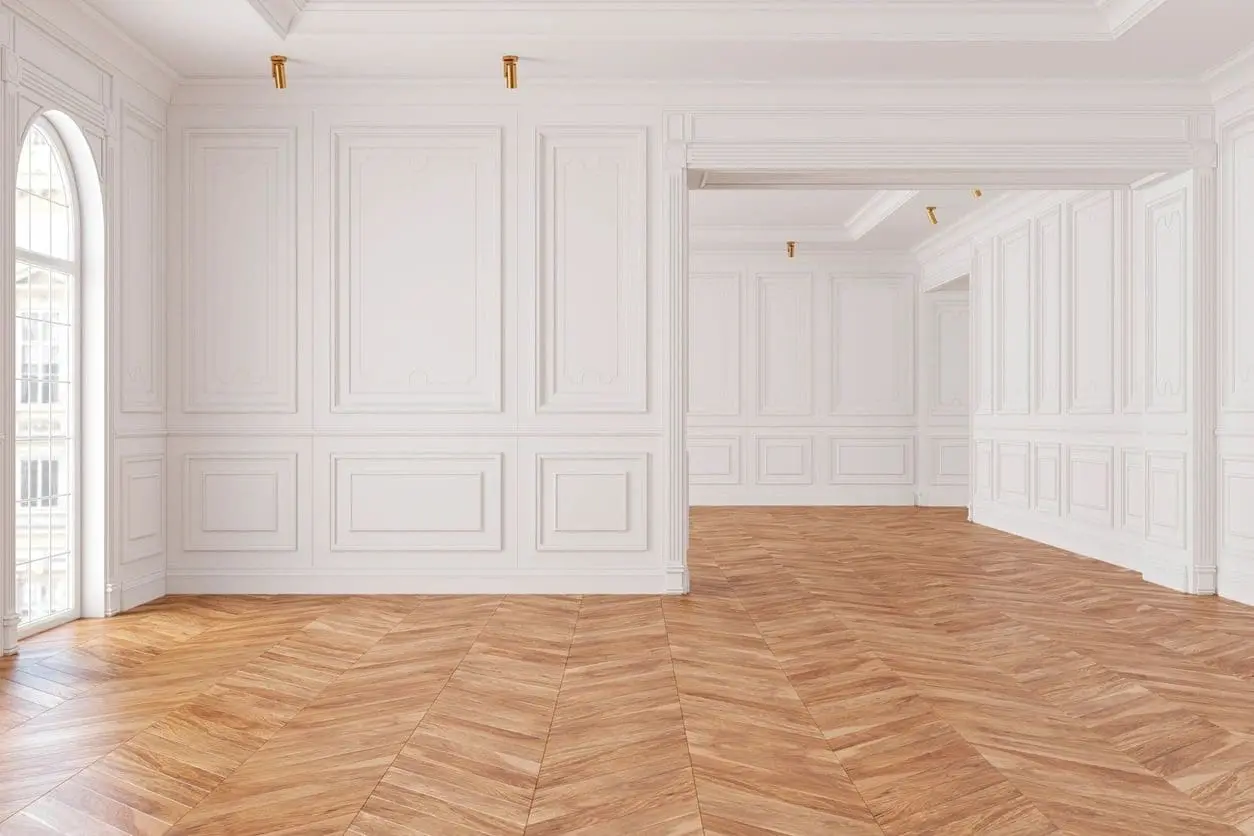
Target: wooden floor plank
[{"x": 834, "y": 671}]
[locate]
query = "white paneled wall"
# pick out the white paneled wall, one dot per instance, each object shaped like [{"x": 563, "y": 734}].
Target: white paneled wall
[
  {"x": 114, "y": 98},
  {"x": 1236, "y": 361},
  {"x": 413, "y": 351},
  {"x": 1090, "y": 431},
  {"x": 802, "y": 383}
]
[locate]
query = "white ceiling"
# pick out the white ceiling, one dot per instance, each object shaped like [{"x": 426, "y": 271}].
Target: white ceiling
[
  {"x": 828, "y": 220},
  {"x": 691, "y": 40}
]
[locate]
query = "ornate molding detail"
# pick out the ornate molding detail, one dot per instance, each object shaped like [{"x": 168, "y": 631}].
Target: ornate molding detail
[{"x": 10, "y": 66}]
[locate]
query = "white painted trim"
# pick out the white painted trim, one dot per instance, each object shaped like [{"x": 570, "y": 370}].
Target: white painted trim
[
  {"x": 142, "y": 590},
  {"x": 308, "y": 581},
  {"x": 279, "y": 15},
  {"x": 882, "y": 206},
  {"x": 805, "y": 495}
]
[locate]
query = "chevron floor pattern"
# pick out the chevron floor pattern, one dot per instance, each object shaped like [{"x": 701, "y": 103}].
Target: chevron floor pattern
[{"x": 835, "y": 671}]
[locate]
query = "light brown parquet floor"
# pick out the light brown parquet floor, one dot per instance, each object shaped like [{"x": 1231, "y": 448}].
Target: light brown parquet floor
[{"x": 835, "y": 671}]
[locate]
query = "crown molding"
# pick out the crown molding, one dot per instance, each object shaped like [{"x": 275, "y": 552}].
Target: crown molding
[
  {"x": 882, "y": 206},
  {"x": 1122, "y": 15},
  {"x": 712, "y": 20},
  {"x": 986, "y": 220},
  {"x": 1232, "y": 77},
  {"x": 279, "y": 15}
]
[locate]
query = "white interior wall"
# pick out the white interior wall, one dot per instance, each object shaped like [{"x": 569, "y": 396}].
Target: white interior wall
[
  {"x": 116, "y": 97},
  {"x": 1090, "y": 421},
  {"x": 1235, "y": 439},
  {"x": 806, "y": 387},
  {"x": 417, "y": 349}
]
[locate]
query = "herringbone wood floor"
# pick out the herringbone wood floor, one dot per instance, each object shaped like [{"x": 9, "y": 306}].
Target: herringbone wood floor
[{"x": 835, "y": 671}]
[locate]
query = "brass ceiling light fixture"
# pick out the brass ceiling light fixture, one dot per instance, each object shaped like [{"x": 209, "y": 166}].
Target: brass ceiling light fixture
[
  {"x": 278, "y": 71},
  {"x": 792, "y": 249},
  {"x": 931, "y": 215},
  {"x": 510, "y": 64},
  {"x": 977, "y": 194}
]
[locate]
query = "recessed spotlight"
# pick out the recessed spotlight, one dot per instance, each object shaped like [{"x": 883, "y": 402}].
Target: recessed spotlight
[
  {"x": 278, "y": 71},
  {"x": 510, "y": 63},
  {"x": 931, "y": 215}
]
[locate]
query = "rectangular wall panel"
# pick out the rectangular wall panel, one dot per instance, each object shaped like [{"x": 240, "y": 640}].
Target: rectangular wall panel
[
  {"x": 142, "y": 359},
  {"x": 1238, "y": 286},
  {"x": 592, "y": 502},
  {"x": 784, "y": 460},
  {"x": 243, "y": 502},
  {"x": 785, "y": 344},
  {"x": 418, "y": 270},
  {"x": 951, "y": 461},
  {"x": 239, "y": 271},
  {"x": 1014, "y": 323},
  {"x": 872, "y": 346},
  {"x": 142, "y": 507},
  {"x": 984, "y": 332},
  {"x": 1133, "y": 491},
  {"x": 416, "y": 503},
  {"x": 1013, "y": 471},
  {"x": 1048, "y": 324},
  {"x": 984, "y": 470},
  {"x": 1090, "y": 484},
  {"x": 1091, "y": 315},
  {"x": 714, "y": 333},
  {"x": 1236, "y": 498},
  {"x": 714, "y": 460},
  {"x": 1165, "y": 494},
  {"x": 949, "y": 356},
  {"x": 871, "y": 461},
  {"x": 1167, "y": 303},
  {"x": 593, "y": 245},
  {"x": 1047, "y": 478}
]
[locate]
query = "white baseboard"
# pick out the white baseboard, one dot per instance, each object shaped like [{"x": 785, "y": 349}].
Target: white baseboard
[
  {"x": 142, "y": 590},
  {"x": 1235, "y": 584},
  {"x": 800, "y": 495},
  {"x": 944, "y": 496},
  {"x": 339, "y": 582},
  {"x": 1106, "y": 546}
]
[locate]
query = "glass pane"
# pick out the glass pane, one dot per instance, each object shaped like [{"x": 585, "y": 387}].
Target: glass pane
[
  {"x": 60, "y": 582},
  {"x": 23, "y": 592},
  {"x": 41, "y": 164},
  {"x": 59, "y": 298},
  {"x": 58, "y": 191},
  {"x": 23, "y": 221},
  {"x": 40, "y": 603},
  {"x": 60, "y": 241},
  {"x": 40, "y": 225},
  {"x": 38, "y": 287}
]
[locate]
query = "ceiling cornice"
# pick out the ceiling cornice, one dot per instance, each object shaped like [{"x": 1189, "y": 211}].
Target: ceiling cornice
[
  {"x": 279, "y": 15},
  {"x": 1122, "y": 15},
  {"x": 882, "y": 206},
  {"x": 709, "y": 20}
]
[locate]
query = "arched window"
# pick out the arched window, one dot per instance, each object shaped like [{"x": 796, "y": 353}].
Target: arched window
[{"x": 47, "y": 450}]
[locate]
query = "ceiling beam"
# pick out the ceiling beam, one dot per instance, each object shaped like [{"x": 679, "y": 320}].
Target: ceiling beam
[
  {"x": 882, "y": 206},
  {"x": 279, "y": 15}
]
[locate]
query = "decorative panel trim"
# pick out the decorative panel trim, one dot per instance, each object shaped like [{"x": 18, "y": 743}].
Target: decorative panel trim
[
  {"x": 1238, "y": 291},
  {"x": 1047, "y": 477},
  {"x": 984, "y": 476},
  {"x": 142, "y": 507},
  {"x": 729, "y": 445},
  {"x": 784, "y": 460},
  {"x": 954, "y": 449},
  {"x": 871, "y": 461},
  {"x": 1084, "y": 464},
  {"x": 269, "y": 385},
  {"x": 1014, "y": 488},
  {"x": 1091, "y": 358},
  {"x": 1133, "y": 482},
  {"x": 1236, "y": 500},
  {"x": 1047, "y": 326},
  {"x": 1013, "y": 327},
  {"x": 1166, "y": 498},
  {"x": 271, "y": 529},
  {"x": 593, "y": 524},
  {"x": 474, "y": 388},
  {"x": 727, "y": 404},
  {"x": 142, "y": 258},
  {"x": 900, "y": 361},
  {"x": 796, "y": 365},
  {"x": 446, "y": 533},
  {"x": 1167, "y": 303},
  {"x": 570, "y": 379},
  {"x": 947, "y": 398}
]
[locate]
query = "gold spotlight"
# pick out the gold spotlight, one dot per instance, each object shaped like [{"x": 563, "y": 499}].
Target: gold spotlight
[
  {"x": 510, "y": 63},
  {"x": 977, "y": 194},
  {"x": 278, "y": 71},
  {"x": 792, "y": 248},
  {"x": 931, "y": 215}
]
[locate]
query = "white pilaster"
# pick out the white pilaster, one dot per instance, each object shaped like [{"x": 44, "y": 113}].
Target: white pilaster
[
  {"x": 677, "y": 581},
  {"x": 10, "y": 142},
  {"x": 1205, "y": 378}
]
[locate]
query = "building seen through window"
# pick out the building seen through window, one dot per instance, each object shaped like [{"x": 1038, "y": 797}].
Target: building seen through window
[{"x": 46, "y": 276}]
